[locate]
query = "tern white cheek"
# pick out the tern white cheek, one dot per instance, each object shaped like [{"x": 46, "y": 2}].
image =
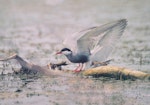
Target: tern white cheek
[{"x": 66, "y": 52}]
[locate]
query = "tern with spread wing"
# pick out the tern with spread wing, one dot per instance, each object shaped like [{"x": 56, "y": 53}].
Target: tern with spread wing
[{"x": 93, "y": 44}]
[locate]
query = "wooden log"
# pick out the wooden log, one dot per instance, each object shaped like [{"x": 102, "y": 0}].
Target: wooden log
[
  {"x": 116, "y": 72},
  {"x": 106, "y": 71},
  {"x": 30, "y": 68}
]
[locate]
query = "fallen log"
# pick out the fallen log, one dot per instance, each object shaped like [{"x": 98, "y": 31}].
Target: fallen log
[
  {"x": 102, "y": 71},
  {"x": 116, "y": 72},
  {"x": 30, "y": 68}
]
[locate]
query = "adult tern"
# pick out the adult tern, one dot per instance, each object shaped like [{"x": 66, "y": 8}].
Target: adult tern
[{"x": 93, "y": 44}]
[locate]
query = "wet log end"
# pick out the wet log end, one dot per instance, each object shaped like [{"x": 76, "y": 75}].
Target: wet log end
[{"x": 116, "y": 72}]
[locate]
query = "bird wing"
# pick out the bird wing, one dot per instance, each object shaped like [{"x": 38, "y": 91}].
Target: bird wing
[
  {"x": 97, "y": 41},
  {"x": 72, "y": 41},
  {"x": 101, "y": 40}
]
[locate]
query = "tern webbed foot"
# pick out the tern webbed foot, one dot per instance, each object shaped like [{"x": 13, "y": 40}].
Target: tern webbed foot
[{"x": 77, "y": 71}]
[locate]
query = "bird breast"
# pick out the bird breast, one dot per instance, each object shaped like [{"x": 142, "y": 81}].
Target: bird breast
[{"x": 78, "y": 58}]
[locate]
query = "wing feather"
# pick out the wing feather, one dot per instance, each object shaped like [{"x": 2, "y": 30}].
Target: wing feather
[
  {"x": 100, "y": 36},
  {"x": 98, "y": 41},
  {"x": 71, "y": 42},
  {"x": 108, "y": 41}
]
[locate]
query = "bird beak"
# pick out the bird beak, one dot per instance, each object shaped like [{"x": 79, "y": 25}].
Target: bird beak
[{"x": 58, "y": 53}]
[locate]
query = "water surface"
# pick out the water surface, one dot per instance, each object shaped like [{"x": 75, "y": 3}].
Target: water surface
[{"x": 35, "y": 29}]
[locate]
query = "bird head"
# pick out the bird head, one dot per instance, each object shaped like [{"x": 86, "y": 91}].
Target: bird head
[{"x": 65, "y": 51}]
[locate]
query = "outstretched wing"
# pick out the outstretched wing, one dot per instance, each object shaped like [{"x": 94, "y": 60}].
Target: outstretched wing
[
  {"x": 101, "y": 40},
  {"x": 72, "y": 41}
]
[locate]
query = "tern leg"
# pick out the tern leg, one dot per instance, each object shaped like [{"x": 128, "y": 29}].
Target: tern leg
[
  {"x": 84, "y": 64},
  {"x": 77, "y": 68}
]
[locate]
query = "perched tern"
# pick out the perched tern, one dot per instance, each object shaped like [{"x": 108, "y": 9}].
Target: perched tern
[{"x": 93, "y": 44}]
